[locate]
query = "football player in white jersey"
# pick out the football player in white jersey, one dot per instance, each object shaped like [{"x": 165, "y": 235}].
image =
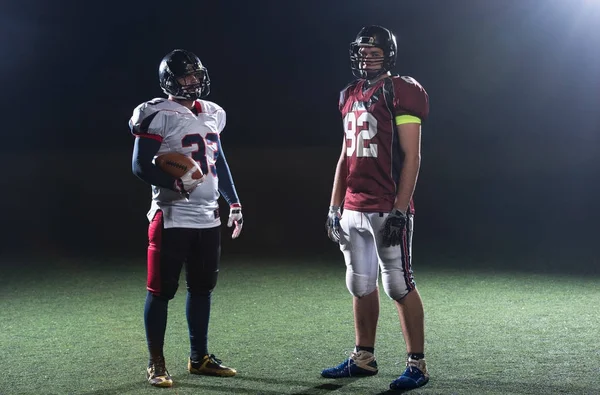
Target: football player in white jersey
[{"x": 184, "y": 215}]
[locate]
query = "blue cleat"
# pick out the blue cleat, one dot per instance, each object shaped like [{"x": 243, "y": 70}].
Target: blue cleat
[
  {"x": 414, "y": 376},
  {"x": 359, "y": 364}
]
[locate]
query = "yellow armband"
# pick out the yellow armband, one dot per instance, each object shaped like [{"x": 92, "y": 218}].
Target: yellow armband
[{"x": 402, "y": 119}]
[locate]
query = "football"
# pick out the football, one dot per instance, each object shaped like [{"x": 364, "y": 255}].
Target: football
[{"x": 177, "y": 165}]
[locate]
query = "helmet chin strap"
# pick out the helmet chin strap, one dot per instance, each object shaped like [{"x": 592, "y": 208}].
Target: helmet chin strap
[
  {"x": 183, "y": 98},
  {"x": 370, "y": 77},
  {"x": 179, "y": 97}
]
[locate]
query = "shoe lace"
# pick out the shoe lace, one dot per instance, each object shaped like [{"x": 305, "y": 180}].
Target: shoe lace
[
  {"x": 214, "y": 359},
  {"x": 360, "y": 355},
  {"x": 159, "y": 368},
  {"x": 412, "y": 364}
]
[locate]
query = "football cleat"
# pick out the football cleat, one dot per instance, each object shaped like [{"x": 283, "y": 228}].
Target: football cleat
[
  {"x": 414, "y": 376},
  {"x": 361, "y": 363},
  {"x": 210, "y": 366},
  {"x": 157, "y": 373}
]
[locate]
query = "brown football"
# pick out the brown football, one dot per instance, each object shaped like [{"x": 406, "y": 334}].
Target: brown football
[{"x": 177, "y": 164}]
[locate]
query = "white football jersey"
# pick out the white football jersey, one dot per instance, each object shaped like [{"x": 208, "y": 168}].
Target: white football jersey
[{"x": 197, "y": 136}]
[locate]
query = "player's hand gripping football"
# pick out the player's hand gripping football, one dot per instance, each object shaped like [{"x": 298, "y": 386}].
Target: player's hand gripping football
[
  {"x": 186, "y": 184},
  {"x": 333, "y": 223},
  {"x": 235, "y": 217},
  {"x": 393, "y": 228}
]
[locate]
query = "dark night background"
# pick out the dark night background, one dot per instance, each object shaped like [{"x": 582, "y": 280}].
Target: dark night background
[{"x": 511, "y": 153}]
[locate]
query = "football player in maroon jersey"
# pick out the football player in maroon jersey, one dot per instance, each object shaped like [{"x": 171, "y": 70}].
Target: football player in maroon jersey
[{"x": 374, "y": 180}]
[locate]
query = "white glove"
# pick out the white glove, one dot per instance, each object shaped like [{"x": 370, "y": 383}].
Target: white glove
[
  {"x": 235, "y": 217},
  {"x": 186, "y": 184},
  {"x": 333, "y": 223}
]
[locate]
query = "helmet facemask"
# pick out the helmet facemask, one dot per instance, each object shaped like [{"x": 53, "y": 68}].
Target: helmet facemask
[
  {"x": 366, "y": 66},
  {"x": 184, "y": 77},
  {"x": 191, "y": 86},
  {"x": 362, "y": 61}
]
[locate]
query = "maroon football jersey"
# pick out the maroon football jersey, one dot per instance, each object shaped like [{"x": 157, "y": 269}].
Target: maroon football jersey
[{"x": 374, "y": 155}]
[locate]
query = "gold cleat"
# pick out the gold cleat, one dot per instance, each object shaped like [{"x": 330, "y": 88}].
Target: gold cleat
[
  {"x": 158, "y": 375},
  {"x": 210, "y": 366}
]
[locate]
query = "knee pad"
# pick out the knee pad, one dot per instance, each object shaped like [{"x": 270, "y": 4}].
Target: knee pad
[
  {"x": 360, "y": 285},
  {"x": 395, "y": 284},
  {"x": 397, "y": 292},
  {"x": 165, "y": 294},
  {"x": 205, "y": 284}
]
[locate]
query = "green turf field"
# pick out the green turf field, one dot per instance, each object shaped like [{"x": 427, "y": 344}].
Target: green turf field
[{"x": 76, "y": 328}]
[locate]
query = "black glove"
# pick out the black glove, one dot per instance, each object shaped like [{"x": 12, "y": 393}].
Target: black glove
[{"x": 393, "y": 228}]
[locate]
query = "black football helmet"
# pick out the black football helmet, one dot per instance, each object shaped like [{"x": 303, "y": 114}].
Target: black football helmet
[
  {"x": 181, "y": 63},
  {"x": 373, "y": 36}
]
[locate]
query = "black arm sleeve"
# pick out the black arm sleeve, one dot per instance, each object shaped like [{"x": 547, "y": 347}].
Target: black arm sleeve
[
  {"x": 226, "y": 187},
  {"x": 144, "y": 150}
]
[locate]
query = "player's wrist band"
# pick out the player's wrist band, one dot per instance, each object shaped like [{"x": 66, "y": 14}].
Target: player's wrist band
[{"x": 398, "y": 211}]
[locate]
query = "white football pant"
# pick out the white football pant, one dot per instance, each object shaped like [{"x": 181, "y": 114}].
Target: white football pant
[{"x": 360, "y": 242}]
